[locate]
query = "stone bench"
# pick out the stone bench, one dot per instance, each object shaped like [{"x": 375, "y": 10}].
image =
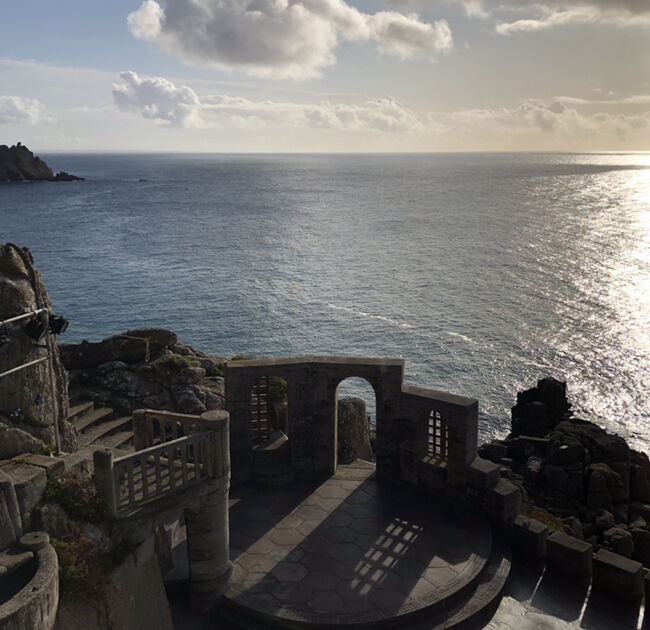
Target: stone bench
[
  {"x": 618, "y": 575},
  {"x": 569, "y": 555}
]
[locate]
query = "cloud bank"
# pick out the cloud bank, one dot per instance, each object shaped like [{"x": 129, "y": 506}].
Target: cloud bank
[
  {"x": 17, "y": 109},
  {"x": 160, "y": 100},
  {"x": 168, "y": 105},
  {"x": 279, "y": 38}
]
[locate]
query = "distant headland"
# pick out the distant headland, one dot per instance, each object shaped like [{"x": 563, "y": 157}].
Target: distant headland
[{"x": 18, "y": 164}]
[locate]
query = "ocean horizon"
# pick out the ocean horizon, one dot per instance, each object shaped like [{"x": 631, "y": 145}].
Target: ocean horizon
[{"x": 483, "y": 271}]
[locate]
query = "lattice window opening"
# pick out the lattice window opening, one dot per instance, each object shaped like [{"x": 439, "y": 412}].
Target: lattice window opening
[
  {"x": 438, "y": 436},
  {"x": 261, "y": 426}
]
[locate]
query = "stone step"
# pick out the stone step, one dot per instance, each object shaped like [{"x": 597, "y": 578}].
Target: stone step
[
  {"x": 117, "y": 440},
  {"x": 79, "y": 409},
  {"x": 92, "y": 417},
  {"x": 102, "y": 429},
  {"x": 475, "y": 608}
]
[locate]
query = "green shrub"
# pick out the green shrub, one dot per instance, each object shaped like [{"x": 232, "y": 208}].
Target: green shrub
[
  {"x": 278, "y": 389},
  {"x": 80, "y": 568},
  {"x": 216, "y": 370},
  {"x": 77, "y": 496}
]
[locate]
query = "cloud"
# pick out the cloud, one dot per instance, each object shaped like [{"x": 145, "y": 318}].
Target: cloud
[
  {"x": 18, "y": 109},
  {"x": 157, "y": 99},
  {"x": 160, "y": 100},
  {"x": 559, "y": 123},
  {"x": 278, "y": 38},
  {"x": 554, "y": 125},
  {"x": 519, "y": 16}
]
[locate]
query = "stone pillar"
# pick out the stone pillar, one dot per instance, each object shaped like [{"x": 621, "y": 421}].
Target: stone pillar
[
  {"x": 324, "y": 430},
  {"x": 208, "y": 548},
  {"x": 207, "y": 523},
  {"x": 103, "y": 479},
  {"x": 238, "y": 403},
  {"x": 463, "y": 441}
]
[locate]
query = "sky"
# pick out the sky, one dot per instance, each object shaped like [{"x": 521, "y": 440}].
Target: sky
[{"x": 325, "y": 75}]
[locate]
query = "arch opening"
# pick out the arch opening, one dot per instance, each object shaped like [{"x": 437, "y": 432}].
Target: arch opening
[{"x": 356, "y": 404}]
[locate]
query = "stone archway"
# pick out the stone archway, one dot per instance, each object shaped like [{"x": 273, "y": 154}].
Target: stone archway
[{"x": 355, "y": 400}]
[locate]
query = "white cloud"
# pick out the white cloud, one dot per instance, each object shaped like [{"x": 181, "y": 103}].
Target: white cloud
[
  {"x": 557, "y": 125},
  {"x": 278, "y": 38},
  {"x": 160, "y": 100},
  {"x": 19, "y": 109},
  {"x": 157, "y": 99}
]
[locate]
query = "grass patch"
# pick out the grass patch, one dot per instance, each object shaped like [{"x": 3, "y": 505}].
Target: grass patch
[{"x": 541, "y": 515}]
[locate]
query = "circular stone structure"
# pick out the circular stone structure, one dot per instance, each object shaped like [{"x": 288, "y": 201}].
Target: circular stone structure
[{"x": 349, "y": 552}]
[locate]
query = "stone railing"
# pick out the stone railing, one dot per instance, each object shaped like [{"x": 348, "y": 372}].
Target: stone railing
[{"x": 176, "y": 452}]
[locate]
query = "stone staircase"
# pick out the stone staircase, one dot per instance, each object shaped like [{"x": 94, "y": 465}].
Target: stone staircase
[{"x": 101, "y": 427}]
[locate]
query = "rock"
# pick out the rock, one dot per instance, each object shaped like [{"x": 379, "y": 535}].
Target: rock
[
  {"x": 605, "y": 487},
  {"x": 27, "y": 395},
  {"x": 69, "y": 437},
  {"x": 189, "y": 399},
  {"x": 573, "y": 527},
  {"x": 353, "y": 430},
  {"x": 493, "y": 451},
  {"x": 641, "y": 540},
  {"x": 639, "y": 483},
  {"x": 51, "y": 518},
  {"x": 620, "y": 540},
  {"x": 18, "y": 163},
  {"x": 534, "y": 467},
  {"x": 531, "y": 419},
  {"x": 605, "y": 520},
  {"x": 213, "y": 401},
  {"x": 129, "y": 347},
  {"x": 189, "y": 376},
  {"x": 14, "y": 441}
]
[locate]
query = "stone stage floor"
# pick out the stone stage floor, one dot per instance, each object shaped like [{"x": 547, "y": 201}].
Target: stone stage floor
[{"x": 348, "y": 550}]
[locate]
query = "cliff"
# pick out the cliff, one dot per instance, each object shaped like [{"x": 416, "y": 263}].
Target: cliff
[{"x": 18, "y": 163}]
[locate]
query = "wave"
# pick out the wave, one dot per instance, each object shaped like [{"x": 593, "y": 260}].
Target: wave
[{"x": 365, "y": 315}]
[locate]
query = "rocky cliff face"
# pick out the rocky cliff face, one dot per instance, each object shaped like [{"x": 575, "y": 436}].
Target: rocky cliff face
[
  {"x": 18, "y": 163},
  {"x": 28, "y": 409},
  {"x": 353, "y": 431}
]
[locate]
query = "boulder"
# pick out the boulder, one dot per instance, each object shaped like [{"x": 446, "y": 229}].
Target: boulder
[
  {"x": 15, "y": 441},
  {"x": 353, "y": 430},
  {"x": 620, "y": 540}
]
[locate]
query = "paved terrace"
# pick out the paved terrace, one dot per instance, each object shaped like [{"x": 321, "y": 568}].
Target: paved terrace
[{"x": 348, "y": 551}]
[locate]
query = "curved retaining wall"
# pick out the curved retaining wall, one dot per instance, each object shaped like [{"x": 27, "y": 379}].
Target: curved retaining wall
[{"x": 34, "y": 607}]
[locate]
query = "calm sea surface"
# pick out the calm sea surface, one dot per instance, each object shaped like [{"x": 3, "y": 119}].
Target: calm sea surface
[{"x": 484, "y": 272}]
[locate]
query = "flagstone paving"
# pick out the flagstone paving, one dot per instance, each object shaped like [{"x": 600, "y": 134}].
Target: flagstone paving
[{"x": 349, "y": 550}]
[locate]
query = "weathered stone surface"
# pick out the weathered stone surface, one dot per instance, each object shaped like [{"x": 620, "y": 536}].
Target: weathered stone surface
[
  {"x": 51, "y": 518},
  {"x": 27, "y": 395},
  {"x": 620, "y": 540},
  {"x": 569, "y": 555},
  {"x": 528, "y": 537},
  {"x": 14, "y": 441},
  {"x": 353, "y": 430},
  {"x": 618, "y": 575},
  {"x": 11, "y": 526},
  {"x": 134, "y": 598},
  {"x": 29, "y": 483}
]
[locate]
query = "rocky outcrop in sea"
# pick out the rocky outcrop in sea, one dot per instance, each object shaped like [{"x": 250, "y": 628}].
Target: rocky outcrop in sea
[
  {"x": 18, "y": 163},
  {"x": 575, "y": 470}
]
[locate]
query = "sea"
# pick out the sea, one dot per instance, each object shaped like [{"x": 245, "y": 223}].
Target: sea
[{"x": 484, "y": 272}]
